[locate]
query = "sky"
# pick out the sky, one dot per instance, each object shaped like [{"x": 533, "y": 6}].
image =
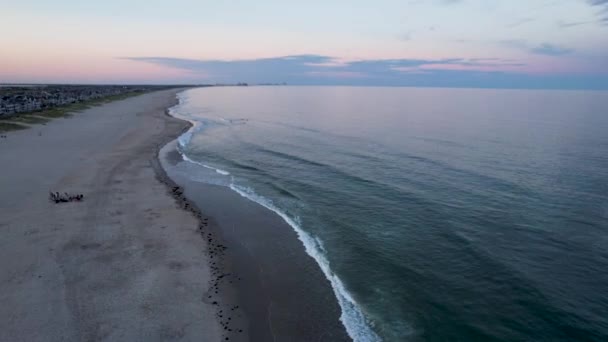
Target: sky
[{"x": 552, "y": 44}]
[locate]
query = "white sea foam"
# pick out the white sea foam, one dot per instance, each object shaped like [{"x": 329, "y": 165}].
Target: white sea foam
[
  {"x": 185, "y": 138},
  {"x": 220, "y": 171},
  {"x": 352, "y": 317}
]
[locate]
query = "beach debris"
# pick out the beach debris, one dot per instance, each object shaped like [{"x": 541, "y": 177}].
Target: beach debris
[
  {"x": 65, "y": 197},
  {"x": 227, "y": 315}
]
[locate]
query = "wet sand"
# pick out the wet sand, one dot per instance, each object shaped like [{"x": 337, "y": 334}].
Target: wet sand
[
  {"x": 125, "y": 264},
  {"x": 281, "y": 290}
]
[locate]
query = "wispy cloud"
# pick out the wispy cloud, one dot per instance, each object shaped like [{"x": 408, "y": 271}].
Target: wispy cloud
[
  {"x": 550, "y": 50},
  {"x": 407, "y": 36},
  {"x": 598, "y": 2},
  {"x": 568, "y": 24},
  {"x": 451, "y": 2},
  {"x": 325, "y": 70},
  {"x": 546, "y": 49},
  {"x": 520, "y": 22},
  {"x": 299, "y": 68},
  {"x": 603, "y": 9}
]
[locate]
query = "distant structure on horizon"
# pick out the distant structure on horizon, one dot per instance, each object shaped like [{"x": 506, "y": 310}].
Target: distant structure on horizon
[{"x": 245, "y": 84}]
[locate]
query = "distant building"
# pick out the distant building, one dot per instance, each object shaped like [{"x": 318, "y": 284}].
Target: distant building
[{"x": 17, "y": 99}]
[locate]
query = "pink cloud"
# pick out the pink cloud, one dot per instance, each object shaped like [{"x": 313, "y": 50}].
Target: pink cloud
[
  {"x": 465, "y": 67},
  {"x": 338, "y": 74},
  {"x": 91, "y": 70}
]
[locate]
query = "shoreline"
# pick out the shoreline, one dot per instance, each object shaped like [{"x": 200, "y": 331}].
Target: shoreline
[
  {"x": 228, "y": 311},
  {"x": 221, "y": 292},
  {"x": 278, "y": 276},
  {"x": 137, "y": 259},
  {"x": 126, "y": 263}
]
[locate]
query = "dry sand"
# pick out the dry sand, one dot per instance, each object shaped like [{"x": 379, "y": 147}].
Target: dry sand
[{"x": 126, "y": 264}]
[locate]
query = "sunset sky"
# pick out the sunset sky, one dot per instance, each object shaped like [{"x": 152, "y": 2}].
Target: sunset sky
[{"x": 463, "y": 43}]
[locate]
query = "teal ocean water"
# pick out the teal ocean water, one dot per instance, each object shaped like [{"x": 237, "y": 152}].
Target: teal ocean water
[{"x": 436, "y": 214}]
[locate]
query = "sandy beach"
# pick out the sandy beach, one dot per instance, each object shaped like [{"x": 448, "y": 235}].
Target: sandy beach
[
  {"x": 137, "y": 260},
  {"x": 125, "y": 264}
]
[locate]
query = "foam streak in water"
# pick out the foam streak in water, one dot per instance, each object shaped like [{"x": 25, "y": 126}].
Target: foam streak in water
[
  {"x": 220, "y": 171},
  {"x": 351, "y": 316},
  {"x": 353, "y": 319}
]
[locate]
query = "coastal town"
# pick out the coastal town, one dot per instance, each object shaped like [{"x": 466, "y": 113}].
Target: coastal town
[{"x": 25, "y": 99}]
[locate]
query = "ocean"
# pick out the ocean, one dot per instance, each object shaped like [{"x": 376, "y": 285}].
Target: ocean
[{"x": 435, "y": 214}]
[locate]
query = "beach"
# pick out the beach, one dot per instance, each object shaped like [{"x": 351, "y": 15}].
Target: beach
[
  {"x": 127, "y": 263},
  {"x": 136, "y": 259},
  {"x": 260, "y": 214},
  {"x": 281, "y": 292}
]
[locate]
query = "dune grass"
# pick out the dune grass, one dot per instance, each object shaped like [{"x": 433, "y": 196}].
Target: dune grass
[
  {"x": 70, "y": 109},
  {"x": 9, "y": 126},
  {"x": 27, "y": 118}
]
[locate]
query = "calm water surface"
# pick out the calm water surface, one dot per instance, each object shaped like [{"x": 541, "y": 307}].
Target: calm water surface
[{"x": 437, "y": 214}]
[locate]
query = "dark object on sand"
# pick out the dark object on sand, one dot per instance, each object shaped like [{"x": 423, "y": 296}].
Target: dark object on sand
[{"x": 65, "y": 197}]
